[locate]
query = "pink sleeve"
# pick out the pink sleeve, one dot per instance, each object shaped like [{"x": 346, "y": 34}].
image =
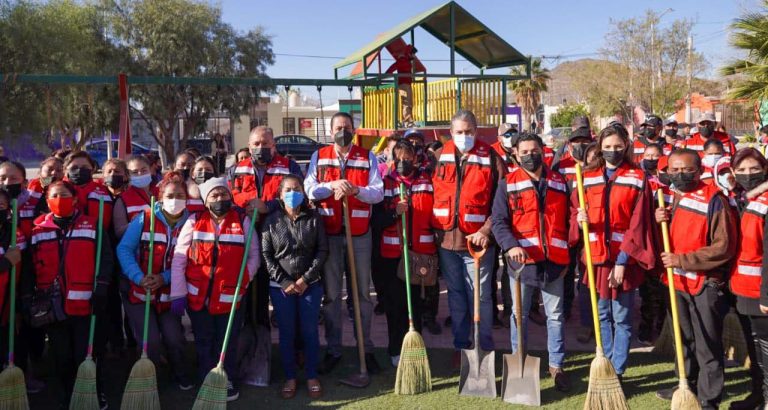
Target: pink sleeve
[
  {"x": 179, "y": 261},
  {"x": 254, "y": 253}
]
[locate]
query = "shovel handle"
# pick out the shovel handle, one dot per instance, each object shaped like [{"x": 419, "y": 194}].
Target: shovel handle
[{"x": 476, "y": 252}]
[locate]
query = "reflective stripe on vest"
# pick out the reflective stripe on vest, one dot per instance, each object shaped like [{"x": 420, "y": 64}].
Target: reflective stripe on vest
[
  {"x": 356, "y": 171},
  {"x": 746, "y": 276}
]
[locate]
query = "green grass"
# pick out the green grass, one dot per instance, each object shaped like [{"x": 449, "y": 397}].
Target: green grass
[{"x": 647, "y": 373}]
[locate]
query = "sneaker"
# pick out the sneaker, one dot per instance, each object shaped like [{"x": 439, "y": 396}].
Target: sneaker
[
  {"x": 184, "y": 383},
  {"x": 232, "y": 392},
  {"x": 562, "y": 382},
  {"x": 394, "y": 360},
  {"x": 371, "y": 364},
  {"x": 666, "y": 394},
  {"x": 329, "y": 363},
  {"x": 644, "y": 340},
  {"x": 433, "y": 327},
  {"x": 584, "y": 334},
  {"x": 103, "y": 405}
]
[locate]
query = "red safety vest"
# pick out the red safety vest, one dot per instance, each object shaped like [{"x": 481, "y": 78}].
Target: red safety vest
[
  {"x": 28, "y": 213},
  {"x": 567, "y": 168},
  {"x": 356, "y": 171},
  {"x": 420, "y": 236},
  {"x": 696, "y": 143},
  {"x": 88, "y": 196},
  {"x": 35, "y": 188},
  {"x": 639, "y": 145},
  {"x": 75, "y": 273},
  {"x": 195, "y": 205},
  {"x": 543, "y": 233},
  {"x": 463, "y": 194},
  {"x": 5, "y": 277},
  {"x": 164, "y": 245},
  {"x": 136, "y": 201},
  {"x": 549, "y": 156},
  {"x": 628, "y": 183},
  {"x": 245, "y": 187},
  {"x": 746, "y": 275},
  {"x": 655, "y": 184},
  {"x": 505, "y": 156},
  {"x": 689, "y": 231},
  {"x": 214, "y": 263}
]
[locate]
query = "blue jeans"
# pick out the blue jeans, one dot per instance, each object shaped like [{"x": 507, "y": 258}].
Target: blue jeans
[
  {"x": 306, "y": 310},
  {"x": 616, "y": 328},
  {"x": 458, "y": 270},
  {"x": 209, "y": 336},
  {"x": 552, "y": 296}
]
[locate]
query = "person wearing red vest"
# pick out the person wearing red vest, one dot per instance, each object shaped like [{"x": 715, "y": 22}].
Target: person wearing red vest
[
  {"x": 165, "y": 327},
  {"x": 713, "y": 151},
  {"x": 618, "y": 212},
  {"x": 63, "y": 248},
  {"x": 79, "y": 167},
  {"x": 467, "y": 174},
  {"x": 135, "y": 199},
  {"x": 206, "y": 262},
  {"x": 703, "y": 237},
  {"x": 650, "y": 134},
  {"x": 707, "y": 131},
  {"x": 345, "y": 170},
  {"x": 13, "y": 180},
  {"x": 505, "y": 145},
  {"x": 530, "y": 224}
]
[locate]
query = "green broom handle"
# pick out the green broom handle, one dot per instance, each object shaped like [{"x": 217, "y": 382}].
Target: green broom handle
[
  {"x": 406, "y": 259},
  {"x": 12, "y": 318},
  {"x": 100, "y": 228},
  {"x": 254, "y": 218},
  {"x": 148, "y": 296}
]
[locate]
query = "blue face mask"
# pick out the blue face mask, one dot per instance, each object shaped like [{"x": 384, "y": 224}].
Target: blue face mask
[{"x": 293, "y": 199}]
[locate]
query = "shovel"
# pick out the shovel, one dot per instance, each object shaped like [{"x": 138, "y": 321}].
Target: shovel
[
  {"x": 520, "y": 378},
  {"x": 478, "y": 367}
]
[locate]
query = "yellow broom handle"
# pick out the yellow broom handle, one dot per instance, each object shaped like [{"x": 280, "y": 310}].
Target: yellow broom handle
[
  {"x": 673, "y": 297},
  {"x": 588, "y": 260}
]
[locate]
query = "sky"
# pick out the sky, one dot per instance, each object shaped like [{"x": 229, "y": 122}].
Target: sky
[{"x": 559, "y": 30}]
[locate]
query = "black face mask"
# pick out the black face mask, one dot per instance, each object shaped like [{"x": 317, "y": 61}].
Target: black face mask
[
  {"x": 684, "y": 181},
  {"x": 706, "y": 132},
  {"x": 577, "y": 151},
  {"x": 261, "y": 155},
  {"x": 219, "y": 208},
  {"x": 80, "y": 176},
  {"x": 13, "y": 190},
  {"x": 664, "y": 179},
  {"x": 649, "y": 133},
  {"x": 613, "y": 157},
  {"x": 650, "y": 164},
  {"x": 404, "y": 168},
  {"x": 531, "y": 162},
  {"x": 184, "y": 173},
  {"x": 114, "y": 181},
  {"x": 750, "y": 181},
  {"x": 199, "y": 179},
  {"x": 672, "y": 133},
  {"x": 343, "y": 138}
]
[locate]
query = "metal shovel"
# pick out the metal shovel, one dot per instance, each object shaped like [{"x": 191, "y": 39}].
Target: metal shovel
[
  {"x": 478, "y": 367},
  {"x": 520, "y": 377}
]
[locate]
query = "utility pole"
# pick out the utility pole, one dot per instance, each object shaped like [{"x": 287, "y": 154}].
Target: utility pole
[
  {"x": 688, "y": 80},
  {"x": 653, "y": 60}
]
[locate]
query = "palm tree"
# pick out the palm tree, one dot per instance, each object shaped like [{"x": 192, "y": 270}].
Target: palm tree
[
  {"x": 528, "y": 92},
  {"x": 750, "y": 34}
]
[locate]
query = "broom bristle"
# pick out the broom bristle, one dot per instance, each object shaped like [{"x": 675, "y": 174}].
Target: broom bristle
[
  {"x": 213, "y": 393},
  {"x": 684, "y": 399},
  {"x": 13, "y": 389},
  {"x": 604, "y": 392},
  {"x": 141, "y": 389},
  {"x": 84, "y": 394},
  {"x": 413, "y": 373}
]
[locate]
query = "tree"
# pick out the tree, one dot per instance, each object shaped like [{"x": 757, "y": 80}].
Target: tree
[
  {"x": 564, "y": 115},
  {"x": 528, "y": 92},
  {"x": 750, "y": 34}
]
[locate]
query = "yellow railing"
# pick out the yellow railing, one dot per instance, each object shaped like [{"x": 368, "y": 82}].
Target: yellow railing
[{"x": 484, "y": 98}]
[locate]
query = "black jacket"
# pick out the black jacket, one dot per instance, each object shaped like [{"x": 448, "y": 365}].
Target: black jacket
[{"x": 293, "y": 249}]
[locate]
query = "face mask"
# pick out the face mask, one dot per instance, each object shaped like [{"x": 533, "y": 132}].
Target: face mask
[
  {"x": 343, "y": 138},
  {"x": 464, "y": 142},
  {"x": 114, "y": 181},
  {"x": 174, "y": 206},
  {"x": 141, "y": 181},
  {"x": 649, "y": 133},
  {"x": 613, "y": 157},
  {"x": 672, "y": 133},
  {"x": 724, "y": 182},
  {"x": 506, "y": 142},
  {"x": 200, "y": 178},
  {"x": 13, "y": 190},
  {"x": 750, "y": 181},
  {"x": 45, "y": 181},
  {"x": 531, "y": 162},
  {"x": 293, "y": 199},
  {"x": 684, "y": 181},
  {"x": 261, "y": 155},
  {"x": 80, "y": 176},
  {"x": 61, "y": 206},
  {"x": 664, "y": 179},
  {"x": 705, "y": 132},
  {"x": 650, "y": 164},
  {"x": 404, "y": 168},
  {"x": 219, "y": 208},
  {"x": 577, "y": 151},
  {"x": 710, "y": 160}
]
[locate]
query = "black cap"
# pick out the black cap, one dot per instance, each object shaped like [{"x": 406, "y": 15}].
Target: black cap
[
  {"x": 582, "y": 121},
  {"x": 652, "y": 120},
  {"x": 581, "y": 132}
]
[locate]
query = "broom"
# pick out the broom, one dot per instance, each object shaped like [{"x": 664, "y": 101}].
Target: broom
[
  {"x": 604, "y": 391},
  {"x": 141, "y": 389},
  {"x": 413, "y": 374},
  {"x": 13, "y": 390},
  {"x": 213, "y": 393},
  {"x": 84, "y": 394},
  {"x": 683, "y": 398}
]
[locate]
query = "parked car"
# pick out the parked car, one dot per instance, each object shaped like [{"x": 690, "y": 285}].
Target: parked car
[
  {"x": 556, "y": 137},
  {"x": 98, "y": 150},
  {"x": 299, "y": 147}
]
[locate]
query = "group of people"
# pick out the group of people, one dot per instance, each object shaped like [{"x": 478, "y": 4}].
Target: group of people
[{"x": 515, "y": 198}]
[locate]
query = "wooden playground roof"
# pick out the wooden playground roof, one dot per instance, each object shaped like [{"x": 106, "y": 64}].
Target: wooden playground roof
[{"x": 452, "y": 25}]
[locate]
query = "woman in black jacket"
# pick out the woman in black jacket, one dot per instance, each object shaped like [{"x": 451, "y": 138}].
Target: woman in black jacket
[{"x": 295, "y": 247}]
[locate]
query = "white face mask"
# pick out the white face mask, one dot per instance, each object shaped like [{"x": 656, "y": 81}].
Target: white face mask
[
  {"x": 141, "y": 181},
  {"x": 464, "y": 142},
  {"x": 506, "y": 143},
  {"x": 710, "y": 160},
  {"x": 174, "y": 206}
]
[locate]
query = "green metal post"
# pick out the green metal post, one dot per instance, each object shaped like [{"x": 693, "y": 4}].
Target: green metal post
[
  {"x": 395, "y": 101},
  {"x": 452, "y": 40},
  {"x": 458, "y": 94},
  {"x": 335, "y": 73},
  {"x": 362, "y": 105},
  {"x": 426, "y": 98},
  {"x": 504, "y": 101}
]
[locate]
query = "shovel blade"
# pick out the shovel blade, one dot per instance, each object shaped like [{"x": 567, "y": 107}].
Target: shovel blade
[
  {"x": 520, "y": 380},
  {"x": 359, "y": 380},
  {"x": 478, "y": 373}
]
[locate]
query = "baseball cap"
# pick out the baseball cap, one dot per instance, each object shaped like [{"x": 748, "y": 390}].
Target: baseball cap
[
  {"x": 504, "y": 127},
  {"x": 652, "y": 120},
  {"x": 671, "y": 121},
  {"x": 706, "y": 116},
  {"x": 581, "y": 132}
]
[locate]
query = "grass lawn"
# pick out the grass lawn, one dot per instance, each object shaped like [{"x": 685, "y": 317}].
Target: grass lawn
[{"x": 647, "y": 373}]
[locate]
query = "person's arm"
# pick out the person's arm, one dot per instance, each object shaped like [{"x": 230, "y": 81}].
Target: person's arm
[
  {"x": 374, "y": 192},
  {"x": 723, "y": 239},
  {"x": 179, "y": 261},
  {"x": 119, "y": 218},
  {"x": 127, "y": 250},
  {"x": 254, "y": 254},
  {"x": 498, "y": 171},
  {"x": 315, "y": 190},
  {"x": 276, "y": 272},
  {"x": 315, "y": 271},
  {"x": 500, "y": 220},
  {"x": 641, "y": 239}
]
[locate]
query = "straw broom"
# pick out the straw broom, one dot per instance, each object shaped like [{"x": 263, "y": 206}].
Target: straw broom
[
  {"x": 84, "y": 394},
  {"x": 413, "y": 373},
  {"x": 13, "y": 389},
  {"x": 213, "y": 393},
  {"x": 604, "y": 391},
  {"x": 683, "y": 398},
  {"x": 141, "y": 389}
]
